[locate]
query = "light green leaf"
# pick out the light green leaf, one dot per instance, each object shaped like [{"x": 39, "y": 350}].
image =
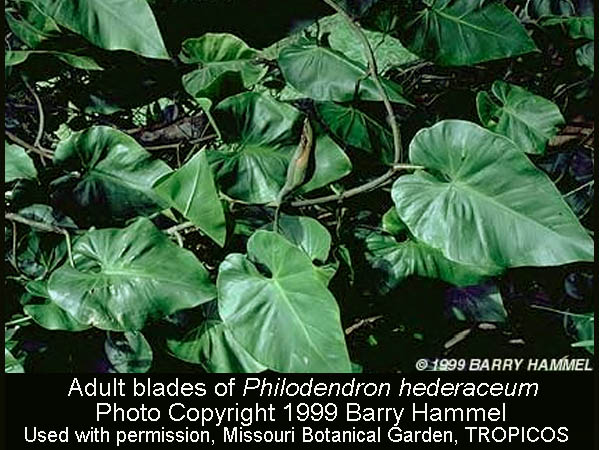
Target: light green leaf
[
  {"x": 126, "y": 277},
  {"x": 392, "y": 224},
  {"x": 212, "y": 345},
  {"x": 192, "y": 192},
  {"x": 128, "y": 352},
  {"x": 11, "y": 365},
  {"x": 460, "y": 33},
  {"x": 117, "y": 173},
  {"x": 226, "y": 65},
  {"x": 482, "y": 202},
  {"x": 325, "y": 74},
  {"x": 110, "y": 24},
  {"x": 527, "y": 119},
  {"x": 395, "y": 260},
  {"x": 585, "y": 56},
  {"x": 287, "y": 319},
  {"x": 17, "y": 164},
  {"x": 261, "y": 135},
  {"x": 15, "y": 57},
  {"x": 355, "y": 128}
]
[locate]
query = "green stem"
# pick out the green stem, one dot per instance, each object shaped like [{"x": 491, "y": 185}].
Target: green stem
[
  {"x": 18, "y": 321},
  {"x": 375, "y": 78}
]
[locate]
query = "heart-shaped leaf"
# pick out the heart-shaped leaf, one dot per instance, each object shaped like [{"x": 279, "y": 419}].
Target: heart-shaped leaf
[
  {"x": 261, "y": 135},
  {"x": 17, "y": 164},
  {"x": 227, "y": 65},
  {"x": 482, "y": 202},
  {"x": 191, "y": 190},
  {"x": 460, "y": 33},
  {"x": 322, "y": 73},
  {"x": 286, "y": 319},
  {"x": 308, "y": 234},
  {"x": 125, "y": 277},
  {"x": 212, "y": 345},
  {"x": 117, "y": 173},
  {"x": 110, "y": 24},
  {"x": 527, "y": 119}
]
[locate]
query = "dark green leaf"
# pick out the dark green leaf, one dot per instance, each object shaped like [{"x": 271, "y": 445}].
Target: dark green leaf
[
  {"x": 192, "y": 192},
  {"x": 110, "y": 24},
  {"x": 117, "y": 173},
  {"x": 15, "y": 57},
  {"x": 459, "y": 33},
  {"x": 128, "y": 352},
  {"x": 482, "y": 303},
  {"x": 325, "y": 74}
]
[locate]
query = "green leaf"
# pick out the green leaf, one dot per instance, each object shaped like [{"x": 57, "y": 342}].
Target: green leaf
[
  {"x": 39, "y": 253},
  {"x": 15, "y": 57},
  {"x": 48, "y": 314},
  {"x": 34, "y": 27},
  {"x": 212, "y": 345},
  {"x": 117, "y": 173},
  {"x": 306, "y": 233},
  {"x": 396, "y": 260},
  {"x": 388, "y": 51},
  {"x": 110, "y": 24},
  {"x": 355, "y": 128},
  {"x": 17, "y": 164},
  {"x": 577, "y": 27},
  {"x": 226, "y": 65},
  {"x": 460, "y": 33},
  {"x": 287, "y": 319},
  {"x": 482, "y": 202},
  {"x": 261, "y": 135},
  {"x": 527, "y": 119},
  {"x": 482, "y": 303},
  {"x": 325, "y": 74},
  {"x": 392, "y": 224},
  {"x": 11, "y": 365},
  {"x": 585, "y": 56},
  {"x": 48, "y": 215},
  {"x": 128, "y": 352},
  {"x": 124, "y": 278},
  {"x": 192, "y": 192}
]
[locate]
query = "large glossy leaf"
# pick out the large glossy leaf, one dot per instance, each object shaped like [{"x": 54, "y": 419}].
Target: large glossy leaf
[
  {"x": 15, "y": 57},
  {"x": 128, "y": 352},
  {"x": 226, "y": 65},
  {"x": 356, "y": 128},
  {"x": 110, "y": 24},
  {"x": 284, "y": 316},
  {"x": 527, "y": 119},
  {"x": 261, "y": 135},
  {"x": 125, "y": 277},
  {"x": 117, "y": 173},
  {"x": 322, "y": 73},
  {"x": 482, "y": 202},
  {"x": 17, "y": 164},
  {"x": 457, "y": 33},
  {"x": 395, "y": 260},
  {"x": 212, "y": 345},
  {"x": 191, "y": 190}
]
